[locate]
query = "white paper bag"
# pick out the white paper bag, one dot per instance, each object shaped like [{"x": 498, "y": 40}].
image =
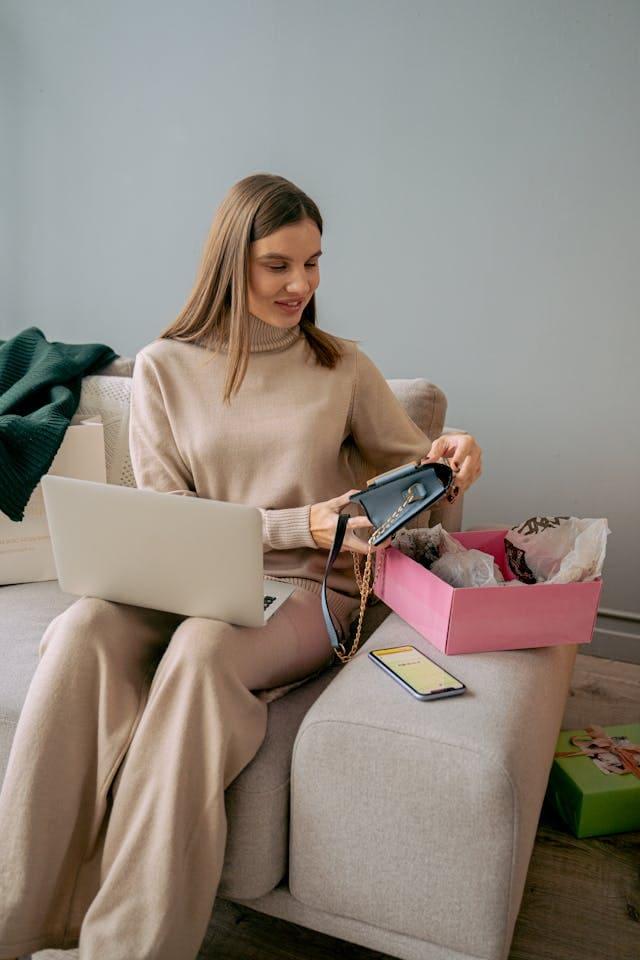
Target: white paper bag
[
  {"x": 25, "y": 545},
  {"x": 558, "y": 549}
]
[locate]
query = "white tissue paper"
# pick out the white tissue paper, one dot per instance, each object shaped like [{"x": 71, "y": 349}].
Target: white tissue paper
[
  {"x": 540, "y": 550},
  {"x": 557, "y": 549},
  {"x": 446, "y": 558},
  {"x": 468, "y": 568},
  {"x": 426, "y": 544}
]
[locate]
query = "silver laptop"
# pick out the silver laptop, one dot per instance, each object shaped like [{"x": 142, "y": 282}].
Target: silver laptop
[{"x": 185, "y": 555}]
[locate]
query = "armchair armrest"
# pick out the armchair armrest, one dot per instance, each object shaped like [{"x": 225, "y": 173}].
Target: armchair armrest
[{"x": 421, "y": 817}]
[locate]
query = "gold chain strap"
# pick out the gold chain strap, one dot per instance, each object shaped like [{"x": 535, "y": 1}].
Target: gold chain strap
[{"x": 363, "y": 579}]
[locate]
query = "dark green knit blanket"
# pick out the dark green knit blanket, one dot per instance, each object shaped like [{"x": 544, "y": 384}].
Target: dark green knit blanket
[{"x": 40, "y": 384}]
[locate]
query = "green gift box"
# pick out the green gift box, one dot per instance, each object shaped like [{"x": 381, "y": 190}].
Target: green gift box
[{"x": 591, "y": 801}]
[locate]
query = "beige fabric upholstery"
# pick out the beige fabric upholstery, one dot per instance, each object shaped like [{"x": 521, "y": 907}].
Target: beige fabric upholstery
[
  {"x": 406, "y": 828},
  {"x": 420, "y": 817},
  {"x": 120, "y": 367}
]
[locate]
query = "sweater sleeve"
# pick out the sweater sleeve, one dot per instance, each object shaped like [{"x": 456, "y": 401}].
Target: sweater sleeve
[
  {"x": 382, "y": 429},
  {"x": 155, "y": 458},
  {"x": 286, "y": 529}
]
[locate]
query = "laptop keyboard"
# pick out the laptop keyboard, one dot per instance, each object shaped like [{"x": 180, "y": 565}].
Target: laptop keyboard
[{"x": 268, "y": 600}]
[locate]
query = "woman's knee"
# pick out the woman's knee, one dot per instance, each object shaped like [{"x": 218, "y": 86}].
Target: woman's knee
[
  {"x": 86, "y": 624},
  {"x": 198, "y": 642}
]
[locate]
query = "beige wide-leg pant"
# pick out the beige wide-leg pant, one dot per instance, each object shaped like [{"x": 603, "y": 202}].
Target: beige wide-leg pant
[{"x": 112, "y": 815}]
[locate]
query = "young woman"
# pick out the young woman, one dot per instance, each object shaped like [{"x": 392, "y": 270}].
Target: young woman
[{"x": 112, "y": 816}]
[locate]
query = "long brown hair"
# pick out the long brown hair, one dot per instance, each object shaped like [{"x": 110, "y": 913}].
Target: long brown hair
[{"x": 217, "y": 307}]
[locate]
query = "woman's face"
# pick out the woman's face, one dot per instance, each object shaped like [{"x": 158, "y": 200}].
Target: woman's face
[{"x": 284, "y": 266}]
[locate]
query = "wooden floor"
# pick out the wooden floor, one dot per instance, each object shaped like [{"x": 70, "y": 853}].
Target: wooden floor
[{"x": 582, "y": 897}]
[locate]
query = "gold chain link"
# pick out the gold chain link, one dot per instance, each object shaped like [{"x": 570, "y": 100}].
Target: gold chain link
[{"x": 363, "y": 579}]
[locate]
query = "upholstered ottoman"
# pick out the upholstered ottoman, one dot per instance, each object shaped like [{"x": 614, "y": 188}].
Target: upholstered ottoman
[{"x": 415, "y": 820}]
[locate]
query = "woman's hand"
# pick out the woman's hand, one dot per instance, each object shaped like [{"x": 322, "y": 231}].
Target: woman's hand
[
  {"x": 323, "y": 520},
  {"x": 465, "y": 459}
]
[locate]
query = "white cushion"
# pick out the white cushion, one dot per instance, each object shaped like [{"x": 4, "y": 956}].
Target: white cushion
[{"x": 109, "y": 397}]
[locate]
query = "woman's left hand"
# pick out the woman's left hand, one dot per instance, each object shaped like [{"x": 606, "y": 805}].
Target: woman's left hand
[{"x": 465, "y": 458}]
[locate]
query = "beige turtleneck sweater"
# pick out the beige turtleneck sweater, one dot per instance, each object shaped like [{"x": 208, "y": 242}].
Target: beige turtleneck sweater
[{"x": 286, "y": 441}]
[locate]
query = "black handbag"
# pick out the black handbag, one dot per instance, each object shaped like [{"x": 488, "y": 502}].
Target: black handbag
[{"x": 390, "y": 501}]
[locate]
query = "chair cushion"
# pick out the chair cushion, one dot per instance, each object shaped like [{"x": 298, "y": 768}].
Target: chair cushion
[
  {"x": 425, "y": 403},
  {"x": 109, "y": 396},
  {"x": 120, "y": 367}
]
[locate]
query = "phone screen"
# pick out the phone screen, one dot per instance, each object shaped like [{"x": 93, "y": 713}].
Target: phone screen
[{"x": 416, "y": 669}]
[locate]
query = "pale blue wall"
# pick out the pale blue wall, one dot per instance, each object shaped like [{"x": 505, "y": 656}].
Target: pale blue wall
[{"x": 476, "y": 164}]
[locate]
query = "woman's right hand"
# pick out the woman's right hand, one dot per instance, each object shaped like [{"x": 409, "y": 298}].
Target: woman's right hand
[{"x": 323, "y": 520}]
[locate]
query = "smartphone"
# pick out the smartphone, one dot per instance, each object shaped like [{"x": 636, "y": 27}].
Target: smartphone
[{"x": 417, "y": 673}]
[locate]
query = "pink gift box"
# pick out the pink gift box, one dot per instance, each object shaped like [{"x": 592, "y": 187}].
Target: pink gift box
[{"x": 470, "y": 619}]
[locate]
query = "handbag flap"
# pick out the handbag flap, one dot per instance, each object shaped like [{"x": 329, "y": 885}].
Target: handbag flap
[{"x": 430, "y": 482}]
